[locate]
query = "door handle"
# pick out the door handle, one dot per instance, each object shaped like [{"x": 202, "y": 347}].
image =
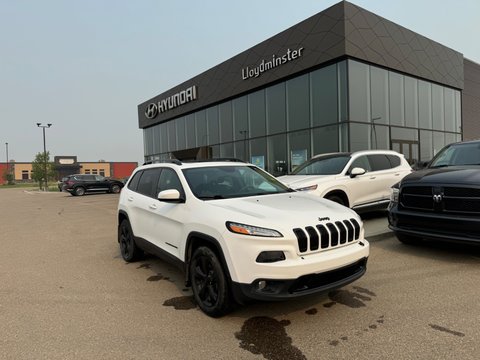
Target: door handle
[
  {"x": 373, "y": 177},
  {"x": 152, "y": 206},
  {"x": 130, "y": 198},
  {"x": 397, "y": 174}
]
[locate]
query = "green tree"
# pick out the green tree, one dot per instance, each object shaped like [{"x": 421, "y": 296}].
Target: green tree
[
  {"x": 8, "y": 177},
  {"x": 38, "y": 168}
]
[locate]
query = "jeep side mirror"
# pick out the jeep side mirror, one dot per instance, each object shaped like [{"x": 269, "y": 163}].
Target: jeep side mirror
[
  {"x": 357, "y": 171},
  {"x": 170, "y": 195}
]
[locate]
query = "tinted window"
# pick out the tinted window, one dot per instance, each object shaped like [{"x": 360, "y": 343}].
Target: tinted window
[
  {"x": 169, "y": 180},
  {"x": 458, "y": 154},
  {"x": 379, "y": 162},
  {"x": 361, "y": 162},
  {"x": 223, "y": 182},
  {"x": 148, "y": 182},
  {"x": 132, "y": 185},
  {"x": 327, "y": 165},
  {"x": 394, "y": 160}
]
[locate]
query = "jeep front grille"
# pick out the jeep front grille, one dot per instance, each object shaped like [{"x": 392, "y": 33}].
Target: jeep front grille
[
  {"x": 328, "y": 235},
  {"x": 464, "y": 200}
]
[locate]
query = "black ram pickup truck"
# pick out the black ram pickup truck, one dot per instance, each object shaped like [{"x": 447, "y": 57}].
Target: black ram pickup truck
[{"x": 442, "y": 201}]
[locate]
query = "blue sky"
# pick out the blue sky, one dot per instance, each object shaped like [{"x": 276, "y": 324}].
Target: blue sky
[{"x": 85, "y": 65}]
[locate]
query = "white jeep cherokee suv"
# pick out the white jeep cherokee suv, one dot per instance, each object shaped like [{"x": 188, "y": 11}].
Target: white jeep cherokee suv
[
  {"x": 361, "y": 180},
  {"x": 238, "y": 233}
]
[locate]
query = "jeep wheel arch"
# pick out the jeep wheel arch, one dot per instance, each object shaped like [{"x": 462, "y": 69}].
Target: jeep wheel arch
[{"x": 195, "y": 240}]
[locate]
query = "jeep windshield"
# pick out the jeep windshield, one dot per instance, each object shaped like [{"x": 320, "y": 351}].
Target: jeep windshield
[
  {"x": 225, "y": 182},
  {"x": 323, "y": 165},
  {"x": 457, "y": 155}
]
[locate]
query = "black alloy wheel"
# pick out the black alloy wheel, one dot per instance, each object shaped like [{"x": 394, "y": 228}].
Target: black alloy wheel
[
  {"x": 115, "y": 189},
  {"x": 209, "y": 283},
  {"x": 129, "y": 250},
  {"x": 79, "y": 191}
]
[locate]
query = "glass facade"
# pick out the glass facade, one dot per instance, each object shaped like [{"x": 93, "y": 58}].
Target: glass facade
[{"x": 346, "y": 106}]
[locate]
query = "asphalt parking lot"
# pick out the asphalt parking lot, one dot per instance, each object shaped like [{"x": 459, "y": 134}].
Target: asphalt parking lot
[{"x": 66, "y": 293}]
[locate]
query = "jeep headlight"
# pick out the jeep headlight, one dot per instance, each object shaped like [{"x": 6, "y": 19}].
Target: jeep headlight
[
  {"x": 308, "y": 188},
  {"x": 244, "y": 229}
]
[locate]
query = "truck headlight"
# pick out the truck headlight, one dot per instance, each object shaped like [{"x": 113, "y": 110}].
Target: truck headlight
[
  {"x": 251, "y": 230},
  {"x": 394, "y": 195}
]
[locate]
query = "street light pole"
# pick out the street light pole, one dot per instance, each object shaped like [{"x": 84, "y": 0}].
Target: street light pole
[
  {"x": 45, "y": 152},
  {"x": 6, "y": 145}
]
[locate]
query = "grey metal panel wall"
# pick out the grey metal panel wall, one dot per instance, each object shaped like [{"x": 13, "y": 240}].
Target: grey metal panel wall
[
  {"x": 375, "y": 39},
  {"x": 471, "y": 101}
]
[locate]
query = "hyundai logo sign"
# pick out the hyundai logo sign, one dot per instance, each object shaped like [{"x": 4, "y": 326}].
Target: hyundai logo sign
[{"x": 180, "y": 98}]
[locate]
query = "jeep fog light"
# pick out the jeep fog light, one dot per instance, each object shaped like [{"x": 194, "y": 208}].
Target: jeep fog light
[
  {"x": 270, "y": 256},
  {"x": 251, "y": 230},
  {"x": 262, "y": 284}
]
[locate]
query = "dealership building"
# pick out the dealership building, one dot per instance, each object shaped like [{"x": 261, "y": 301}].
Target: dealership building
[{"x": 344, "y": 79}]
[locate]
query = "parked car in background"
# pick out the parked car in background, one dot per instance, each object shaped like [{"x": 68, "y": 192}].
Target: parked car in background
[
  {"x": 61, "y": 183},
  {"x": 238, "y": 233},
  {"x": 360, "y": 180},
  {"x": 80, "y": 184},
  {"x": 442, "y": 201}
]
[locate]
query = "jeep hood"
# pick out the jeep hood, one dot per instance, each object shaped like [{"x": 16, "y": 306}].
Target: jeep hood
[
  {"x": 299, "y": 181},
  {"x": 295, "y": 208},
  {"x": 445, "y": 175}
]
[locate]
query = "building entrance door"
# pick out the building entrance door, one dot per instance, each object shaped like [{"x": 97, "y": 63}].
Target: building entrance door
[{"x": 409, "y": 148}]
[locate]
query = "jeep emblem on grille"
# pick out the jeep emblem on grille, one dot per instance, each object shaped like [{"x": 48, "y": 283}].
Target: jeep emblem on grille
[
  {"x": 437, "y": 198},
  {"x": 324, "y": 219}
]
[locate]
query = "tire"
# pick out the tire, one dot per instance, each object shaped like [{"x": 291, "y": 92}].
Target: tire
[
  {"x": 337, "y": 199},
  {"x": 79, "y": 191},
  {"x": 115, "y": 189},
  {"x": 209, "y": 283},
  {"x": 407, "y": 239},
  {"x": 129, "y": 250}
]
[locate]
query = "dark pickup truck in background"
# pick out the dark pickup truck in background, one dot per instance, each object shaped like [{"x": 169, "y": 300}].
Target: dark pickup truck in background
[{"x": 441, "y": 201}]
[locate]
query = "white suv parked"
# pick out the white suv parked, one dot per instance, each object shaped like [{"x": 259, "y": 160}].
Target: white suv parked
[
  {"x": 361, "y": 180},
  {"x": 238, "y": 233}
]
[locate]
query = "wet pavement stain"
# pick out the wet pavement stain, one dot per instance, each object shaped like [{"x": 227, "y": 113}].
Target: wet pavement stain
[
  {"x": 352, "y": 299},
  {"x": 311, "y": 311},
  {"x": 444, "y": 329},
  {"x": 358, "y": 333},
  {"x": 266, "y": 336},
  {"x": 329, "y": 304},
  {"x": 144, "y": 266},
  {"x": 61, "y": 211},
  {"x": 157, "y": 277},
  {"x": 181, "y": 303},
  {"x": 364, "y": 291}
]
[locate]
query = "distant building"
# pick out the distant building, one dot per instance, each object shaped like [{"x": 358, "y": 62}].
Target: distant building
[{"x": 67, "y": 165}]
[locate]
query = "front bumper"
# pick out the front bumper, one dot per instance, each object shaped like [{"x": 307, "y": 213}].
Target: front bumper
[
  {"x": 435, "y": 226},
  {"x": 277, "y": 289}
]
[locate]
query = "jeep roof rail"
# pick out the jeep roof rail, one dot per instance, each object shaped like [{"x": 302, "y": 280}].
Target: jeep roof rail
[{"x": 216, "y": 159}]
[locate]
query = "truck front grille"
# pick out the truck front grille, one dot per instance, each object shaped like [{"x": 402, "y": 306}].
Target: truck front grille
[
  {"x": 325, "y": 236},
  {"x": 462, "y": 200}
]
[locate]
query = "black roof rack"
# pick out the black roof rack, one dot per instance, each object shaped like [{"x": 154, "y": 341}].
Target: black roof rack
[
  {"x": 171, "y": 161},
  {"x": 216, "y": 159}
]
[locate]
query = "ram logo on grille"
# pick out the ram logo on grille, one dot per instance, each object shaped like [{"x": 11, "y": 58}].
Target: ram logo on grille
[{"x": 327, "y": 235}]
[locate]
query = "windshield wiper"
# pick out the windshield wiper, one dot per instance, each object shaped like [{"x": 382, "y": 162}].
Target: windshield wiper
[
  {"x": 214, "y": 197},
  {"x": 439, "y": 166}
]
